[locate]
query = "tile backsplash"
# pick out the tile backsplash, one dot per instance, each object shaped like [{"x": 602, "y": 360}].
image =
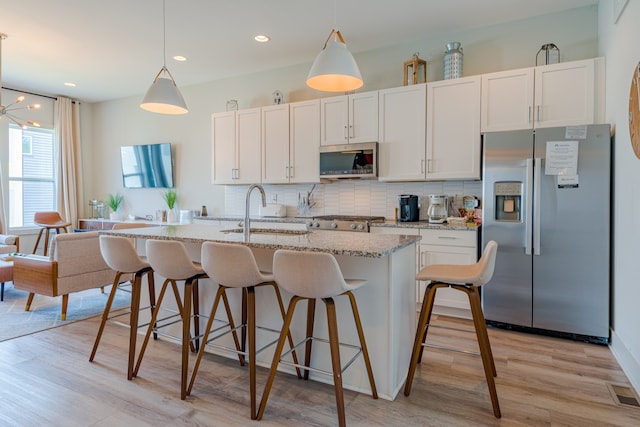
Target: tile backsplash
[{"x": 350, "y": 197}]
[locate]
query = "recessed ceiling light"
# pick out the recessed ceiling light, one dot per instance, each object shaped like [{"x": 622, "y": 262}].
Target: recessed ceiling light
[
  {"x": 262, "y": 38},
  {"x": 180, "y": 58},
  {"x": 70, "y": 84}
]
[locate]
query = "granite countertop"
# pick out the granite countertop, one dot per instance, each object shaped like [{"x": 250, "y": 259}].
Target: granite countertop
[
  {"x": 302, "y": 220},
  {"x": 423, "y": 225},
  {"x": 335, "y": 242}
]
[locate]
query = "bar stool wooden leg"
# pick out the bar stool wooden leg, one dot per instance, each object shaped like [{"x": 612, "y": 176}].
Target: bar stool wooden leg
[
  {"x": 311, "y": 310},
  {"x": 483, "y": 328},
  {"x": 46, "y": 241},
  {"x": 251, "y": 326},
  {"x": 221, "y": 294},
  {"x": 294, "y": 355},
  {"x": 152, "y": 323},
  {"x": 136, "y": 286},
  {"x": 363, "y": 343},
  {"x": 105, "y": 314},
  {"x": 35, "y": 247},
  {"x": 227, "y": 307},
  {"x": 425, "y": 317},
  {"x": 485, "y": 351},
  {"x": 336, "y": 366},
  {"x": 243, "y": 331},
  {"x": 186, "y": 332},
  {"x": 152, "y": 297},
  {"x": 195, "y": 305},
  {"x": 276, "y": 355},
  {"x": 433, "y": 286}
]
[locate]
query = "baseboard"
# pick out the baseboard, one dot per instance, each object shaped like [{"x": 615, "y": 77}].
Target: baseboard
[{"x": 626, "y": 359}]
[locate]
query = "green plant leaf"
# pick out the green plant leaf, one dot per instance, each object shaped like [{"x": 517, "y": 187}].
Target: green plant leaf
[
  {"x": 170, "y": 197},
  {"x": 114, "y": 201}
]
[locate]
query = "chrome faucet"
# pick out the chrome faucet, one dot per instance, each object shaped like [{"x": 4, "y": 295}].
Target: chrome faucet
[{"x": 246, "y": 226}]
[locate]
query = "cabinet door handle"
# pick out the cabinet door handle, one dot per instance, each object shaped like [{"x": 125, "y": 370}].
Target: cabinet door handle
[
  {"x": 291, "y": 174},
  {"x": 346, "y": 132},
  {"x": 447, "y": 237},
  {"x": 538, "y": 113},
  {"x": 351, "y": 131},
  {"x": 529, "y": 115},
  {"x": 422, "y": 166},
  {"x": 286, "y": 171}
]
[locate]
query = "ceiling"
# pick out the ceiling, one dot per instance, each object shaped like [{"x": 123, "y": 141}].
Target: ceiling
[{"x": 113, "y": 49}]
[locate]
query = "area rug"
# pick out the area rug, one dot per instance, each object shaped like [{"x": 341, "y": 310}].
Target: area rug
[{"x": 45, "y": 311}]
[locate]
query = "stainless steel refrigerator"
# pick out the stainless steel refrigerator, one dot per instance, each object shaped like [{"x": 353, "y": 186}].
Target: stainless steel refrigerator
[{"x": 546, "y": 202}]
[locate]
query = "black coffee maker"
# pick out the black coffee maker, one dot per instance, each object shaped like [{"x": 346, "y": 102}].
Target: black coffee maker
[{"x": 408, "y": 209}]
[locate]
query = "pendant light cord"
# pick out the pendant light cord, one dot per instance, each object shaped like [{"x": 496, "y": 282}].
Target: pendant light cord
[{"x": 164, "y": 33}]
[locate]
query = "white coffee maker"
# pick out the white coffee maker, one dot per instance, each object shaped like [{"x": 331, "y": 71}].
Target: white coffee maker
[{"x": 437, "y": 211}]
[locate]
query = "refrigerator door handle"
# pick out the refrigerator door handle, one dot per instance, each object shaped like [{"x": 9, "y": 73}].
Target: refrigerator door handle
[
  {"x": 528, "y": 213},
  {"x": 537, "y": 165}
]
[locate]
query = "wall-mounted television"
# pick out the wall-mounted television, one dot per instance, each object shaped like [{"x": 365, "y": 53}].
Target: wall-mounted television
[{"x": 147, "y": 166}]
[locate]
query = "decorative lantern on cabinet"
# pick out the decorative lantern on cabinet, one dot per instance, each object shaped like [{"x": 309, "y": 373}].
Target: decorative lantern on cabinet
[
  {"x": 415, "y": 70},
  {"x": 551, "y": 54}
]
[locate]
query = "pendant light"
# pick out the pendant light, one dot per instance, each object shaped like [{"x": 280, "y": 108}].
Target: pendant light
[
  {"x": 9, "y": 109},
  {"x": 163, "y": 96},
  {"x": 334, "y": 69}
]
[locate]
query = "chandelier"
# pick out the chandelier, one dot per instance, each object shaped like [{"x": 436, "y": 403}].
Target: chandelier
[{"x": 8, "y": 110}]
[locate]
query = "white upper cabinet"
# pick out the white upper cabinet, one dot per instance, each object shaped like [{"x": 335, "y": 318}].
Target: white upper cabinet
[
  {"x": 507, "y": 100},
  {"x": 236, "y": 147},
  {"x": 401, "y": 150},
  {"x": 564, "y": 94},
  {"x": 453, "y": 129},
  {"x": 304, "y": 131},
  {"x": 349, "y": 119},
  {"x": 568, "y": 94},
  {"x": 291, "y": 143},
  {"x": 275, "y": 144}
]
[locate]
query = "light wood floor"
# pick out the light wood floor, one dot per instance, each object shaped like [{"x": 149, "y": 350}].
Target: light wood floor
[{"x": 47, "y": 380}]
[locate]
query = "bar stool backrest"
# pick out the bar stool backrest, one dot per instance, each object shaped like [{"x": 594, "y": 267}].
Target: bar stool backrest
[
  {"x": 120, "y": 254},
  {"x": 48, "y": 219},
  {"x": 170, "y": 259},
  {"x": 486, "y": 264},
  {"x": 231, "y": 265},
  {"x": 308, "y": 274}
]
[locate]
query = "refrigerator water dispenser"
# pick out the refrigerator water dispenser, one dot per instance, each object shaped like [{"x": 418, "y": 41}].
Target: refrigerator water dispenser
[{"x": 508, "y": 201}]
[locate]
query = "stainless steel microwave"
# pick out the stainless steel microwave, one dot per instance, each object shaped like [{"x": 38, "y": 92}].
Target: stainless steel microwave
[{"x": 359, "y": 161}]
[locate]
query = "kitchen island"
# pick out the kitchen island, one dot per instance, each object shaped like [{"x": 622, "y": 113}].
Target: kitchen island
[{"x": 386, "y": 303}]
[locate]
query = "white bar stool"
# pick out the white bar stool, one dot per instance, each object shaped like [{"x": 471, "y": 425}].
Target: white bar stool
[
  {"x": 309, "y": 276},
  {"x": 234, "y": 266},
  {"x": 120, "y": 255},
  {"x": 170, "y": 259},
  {"x": 465, "y": 278}
]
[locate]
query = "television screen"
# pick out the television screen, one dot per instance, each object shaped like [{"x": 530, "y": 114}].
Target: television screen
[{"x": 147, "y": 166}]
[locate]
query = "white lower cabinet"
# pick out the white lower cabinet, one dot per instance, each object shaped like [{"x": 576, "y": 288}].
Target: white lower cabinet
[{"x": 441, "y": 247}]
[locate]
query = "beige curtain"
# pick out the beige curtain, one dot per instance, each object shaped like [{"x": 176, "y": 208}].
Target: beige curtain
[
  {"x": 3, "y": 216},
  {"x": 70, "y": 191}
]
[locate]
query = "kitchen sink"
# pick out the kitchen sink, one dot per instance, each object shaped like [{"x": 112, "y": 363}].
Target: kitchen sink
[{"x": 290, "y": 232}]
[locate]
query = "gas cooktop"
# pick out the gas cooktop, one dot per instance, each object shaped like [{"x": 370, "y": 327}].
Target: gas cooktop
[{"x": 344, "y": 222}]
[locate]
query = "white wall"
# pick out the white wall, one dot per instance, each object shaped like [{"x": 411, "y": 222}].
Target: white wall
[
  {"x": 122, "y": 122},
  {"x": 619, "y": 43}
]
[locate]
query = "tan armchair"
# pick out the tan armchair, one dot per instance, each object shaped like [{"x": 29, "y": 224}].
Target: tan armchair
[{"x": 74, "y": 264}]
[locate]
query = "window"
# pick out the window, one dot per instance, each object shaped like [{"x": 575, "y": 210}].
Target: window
[{"x": 32, "y": 186}]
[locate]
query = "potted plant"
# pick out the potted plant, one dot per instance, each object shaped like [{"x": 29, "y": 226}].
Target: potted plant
[
  {"x": 170, "y": 197},
  {"x": 114, "y": 201}
]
